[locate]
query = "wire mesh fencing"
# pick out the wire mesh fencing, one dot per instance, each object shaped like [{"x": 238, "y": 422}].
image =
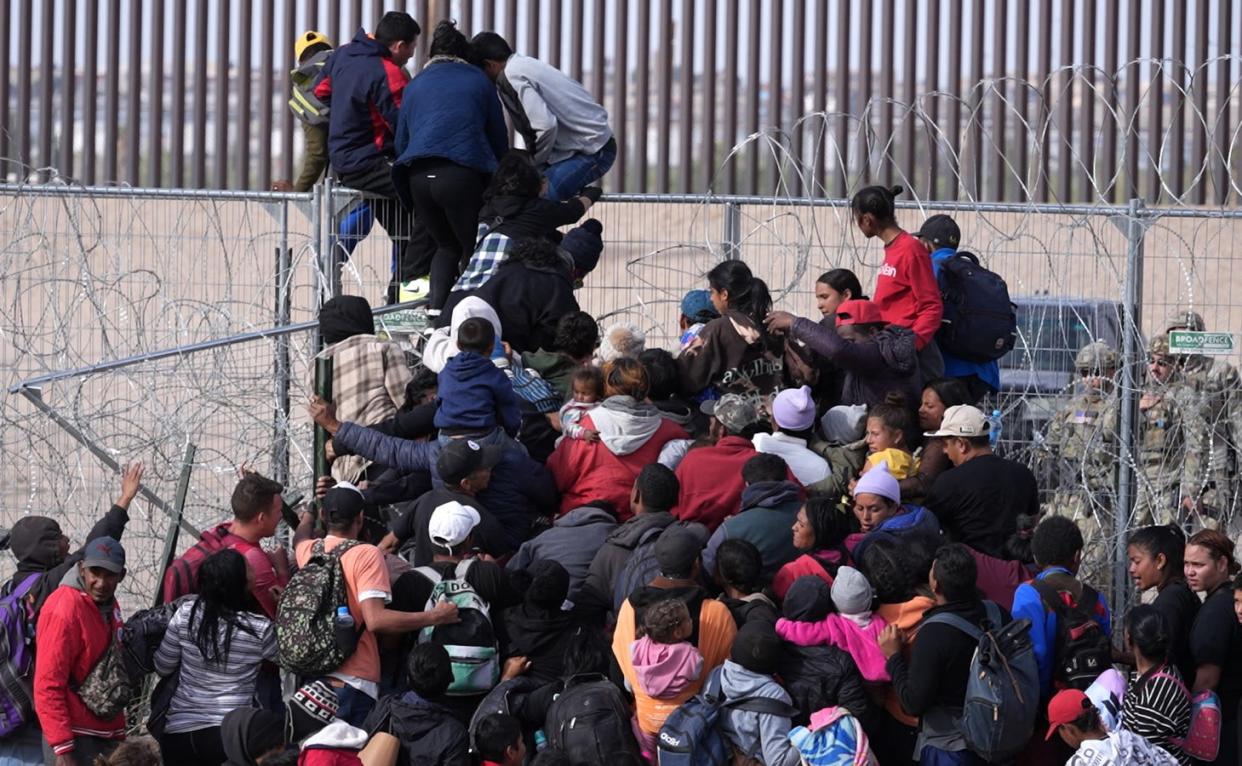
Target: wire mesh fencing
[{"x": 140, "y": 321}]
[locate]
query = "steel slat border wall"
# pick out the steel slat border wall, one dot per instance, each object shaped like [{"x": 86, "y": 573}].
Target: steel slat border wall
[{"x": 684, "y": 86}]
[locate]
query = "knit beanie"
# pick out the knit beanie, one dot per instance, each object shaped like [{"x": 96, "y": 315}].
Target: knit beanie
[
  {"x": 757, "y": 647},
  {"x": 584, "y": 245},
  {"x": 878, "y": 481},
  {"x": 313, "y": 706},
  {"x": 851, "y": 591},
  {"x": 794, "y": 409},
  {"x": 808, "y": 600}
]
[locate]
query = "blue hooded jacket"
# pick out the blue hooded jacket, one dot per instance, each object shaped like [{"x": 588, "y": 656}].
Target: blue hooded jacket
[
  {"x": 363, "y": 86},
  {"x": 474, "y": 394}
]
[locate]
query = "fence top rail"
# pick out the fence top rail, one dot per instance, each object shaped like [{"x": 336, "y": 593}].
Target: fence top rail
[
  {"x": 190, "y": 348},
  {"x": 137, "y": 192}
]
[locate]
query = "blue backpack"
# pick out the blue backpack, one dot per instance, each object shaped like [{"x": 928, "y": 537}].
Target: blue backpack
[
  {"x": 691, "y": 735},
  {"x": 980, "y": 323},
  {"x": 1002, "y": 693}
]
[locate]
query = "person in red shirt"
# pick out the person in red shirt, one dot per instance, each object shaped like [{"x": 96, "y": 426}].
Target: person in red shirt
[
  {"x": 257, "y": 504},
  {"x": 711, "y": 477},
  {"x": 905, "y": 289},
  {"x": 499, "y": 741},
  {"x": 78, "y": 623}
]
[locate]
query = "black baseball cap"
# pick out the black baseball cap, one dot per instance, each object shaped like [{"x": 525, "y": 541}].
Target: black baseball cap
[
  {"x": 941, "y": 231},
  {"x": 343, "y": 502},
  {"x": 462, "y": 457}
]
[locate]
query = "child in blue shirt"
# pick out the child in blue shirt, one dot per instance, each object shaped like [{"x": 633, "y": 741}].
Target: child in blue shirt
[{"x": 474, "y": 395}]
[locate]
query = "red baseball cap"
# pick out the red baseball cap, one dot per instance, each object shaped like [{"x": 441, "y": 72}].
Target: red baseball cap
[
  {"x": 858, "y": 312},
  {"x": 1066, "y": 706}
]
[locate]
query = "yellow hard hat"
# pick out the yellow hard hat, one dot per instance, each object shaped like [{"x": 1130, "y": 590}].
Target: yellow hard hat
[{"x": 306, "y": 40}]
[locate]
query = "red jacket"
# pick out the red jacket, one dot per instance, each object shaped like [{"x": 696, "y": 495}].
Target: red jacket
[
  {"x": 586, "y": 471},
  {"x": 70, "y": 638},
  {"x": 711, "y": 481},
  {"x": 906, "y": 290}
]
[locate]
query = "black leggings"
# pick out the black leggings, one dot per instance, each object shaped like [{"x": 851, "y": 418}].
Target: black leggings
[
  {"x": 201, "y": 747},
  {"x": 447, "y": 198}
]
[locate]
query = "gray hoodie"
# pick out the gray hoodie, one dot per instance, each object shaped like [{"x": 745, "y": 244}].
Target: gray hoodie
[
  {"x": 763, "y": 737},
  {"x": 572, "y": 542},
  {"x": 625, "y": 424}
]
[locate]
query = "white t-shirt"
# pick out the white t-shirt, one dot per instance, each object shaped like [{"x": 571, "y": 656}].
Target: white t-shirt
[{"x": 1120, "y": 748}]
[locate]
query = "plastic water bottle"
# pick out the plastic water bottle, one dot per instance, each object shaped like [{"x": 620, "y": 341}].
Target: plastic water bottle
[
  {"x": 541, "y": 741},
  {"x": 994, "y": 429},
  {"x": 346, "y": 636}
]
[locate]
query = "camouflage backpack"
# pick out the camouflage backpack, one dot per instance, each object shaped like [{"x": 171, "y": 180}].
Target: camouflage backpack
[{"x": 306, "y": 636}]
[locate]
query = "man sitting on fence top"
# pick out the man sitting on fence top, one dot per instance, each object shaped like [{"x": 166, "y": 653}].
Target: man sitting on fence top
[
  {"x": 556, "y": 119},
  {"x": 362, "y": 84}
]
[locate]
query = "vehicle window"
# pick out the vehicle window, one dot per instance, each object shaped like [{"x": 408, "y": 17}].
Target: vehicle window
[{"x": 1049, "y": 337}]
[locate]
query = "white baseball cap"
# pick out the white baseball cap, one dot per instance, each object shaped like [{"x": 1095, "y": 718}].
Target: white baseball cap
[
  {"x": 962, "y": 420},
  {"x": 451, "y": 523}
]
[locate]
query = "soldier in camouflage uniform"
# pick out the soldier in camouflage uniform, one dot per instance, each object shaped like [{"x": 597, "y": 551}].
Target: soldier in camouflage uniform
[
  {"x": 1167, "y": 468},
  {"x": 1082, "y": 442},
  {"x": 1214, "y": 388}
]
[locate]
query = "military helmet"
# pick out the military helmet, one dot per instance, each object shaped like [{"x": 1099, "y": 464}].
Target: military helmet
[
  {"x": 1185, "y": 320},
  {"x": 1096, "y": 357},
  {"x": 1158, "y": 346}
]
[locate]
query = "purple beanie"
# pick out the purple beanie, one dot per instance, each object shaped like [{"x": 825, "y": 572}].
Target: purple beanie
[
  {"x": 794, "y": 409},
  {"x": 878, "y": 481}
]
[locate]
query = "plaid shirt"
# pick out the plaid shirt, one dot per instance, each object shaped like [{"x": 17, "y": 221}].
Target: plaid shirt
[
  {"x": 491, "y": 251},
  {"x": 368, "y": 385}
]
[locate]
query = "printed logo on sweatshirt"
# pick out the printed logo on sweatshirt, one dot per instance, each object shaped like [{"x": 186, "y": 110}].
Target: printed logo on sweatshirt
[{"x": 888, "y": 270}]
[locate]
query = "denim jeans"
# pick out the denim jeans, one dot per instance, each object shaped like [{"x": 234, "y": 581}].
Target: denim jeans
[{"x": 568, "y": 177}]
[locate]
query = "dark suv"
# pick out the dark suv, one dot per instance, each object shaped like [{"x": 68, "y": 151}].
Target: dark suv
[{"x": 1038, "y": 375}]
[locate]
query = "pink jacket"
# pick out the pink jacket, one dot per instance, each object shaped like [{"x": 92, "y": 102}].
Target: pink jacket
[
  {"x": 842, "y": 633},
  {"x": 665, "y": 670}
]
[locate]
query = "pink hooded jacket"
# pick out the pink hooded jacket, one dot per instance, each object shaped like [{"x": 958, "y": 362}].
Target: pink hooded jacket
[
  {"x": 665, "y": 670},
  {"x": 843, "y": 633}
]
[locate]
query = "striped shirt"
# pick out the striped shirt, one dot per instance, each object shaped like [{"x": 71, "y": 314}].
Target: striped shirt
[
  {"x": 1157, "y": 708},
  {"x": 209, "y": 690}
]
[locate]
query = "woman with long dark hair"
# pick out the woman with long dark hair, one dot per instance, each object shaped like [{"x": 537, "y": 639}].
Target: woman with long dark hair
[
  {"x": 450, "y": 136},
  {"x": 733, "y": 352},
  {"x": 218, "y": 644},
  {"x": 906, "y": 291},
  {"x": 1216, "y": 636},
  {"x": 819, "y": 532}
]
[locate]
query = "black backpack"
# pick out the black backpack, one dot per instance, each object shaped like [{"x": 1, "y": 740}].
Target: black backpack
[
  {"x": 590, "y": 723},
  {"x": 1082, "y": 650},
  {"x": 980, "y": 323}
]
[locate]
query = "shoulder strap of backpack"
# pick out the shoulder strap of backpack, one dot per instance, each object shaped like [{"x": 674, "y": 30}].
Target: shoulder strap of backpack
[
  {"x": 762, "y": 705},
  {"x": 955, "y": 621},
  {"x": 431, "y": 573},
  {"x": 993, "y": 614},
  {"x": 463, "y": 568},
  {"x": 1050, "y": 595},
  {"x": 24, "y": 586}
]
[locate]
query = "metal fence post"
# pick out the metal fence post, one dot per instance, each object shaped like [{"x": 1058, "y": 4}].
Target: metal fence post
[
  {"x": 1132, "y": 350},
  {"x": 284, "y": 309},
  {"x": 317, "y": 208},
  {"x": 732, "y": 231}
]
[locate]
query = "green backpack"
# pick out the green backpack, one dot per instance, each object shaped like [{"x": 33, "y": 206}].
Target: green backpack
[
  {"x": 306, "y": 634},
  {"x": 304, "y": 104}
]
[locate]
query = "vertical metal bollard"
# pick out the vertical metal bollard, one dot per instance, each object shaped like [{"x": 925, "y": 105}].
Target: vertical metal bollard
[
  {"x": 317, "y": 243},
  {"x": 1132, "y": 350},
  {"x": 323, "y": 389}
]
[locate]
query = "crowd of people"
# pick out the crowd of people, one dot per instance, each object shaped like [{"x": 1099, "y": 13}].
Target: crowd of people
[{"x": 786, "y": 540}]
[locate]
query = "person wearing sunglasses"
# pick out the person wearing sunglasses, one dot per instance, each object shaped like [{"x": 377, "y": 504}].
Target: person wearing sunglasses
[
  {"x": 1168, "y": 467},
  {"x": 1082, "y": 446}
]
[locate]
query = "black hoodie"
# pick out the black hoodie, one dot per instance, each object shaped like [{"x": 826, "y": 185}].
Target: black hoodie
[
  {"x": 524, "y": 217},
  {"x": 35, "y": 543},
  {"x": 540, "y": 635}
]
